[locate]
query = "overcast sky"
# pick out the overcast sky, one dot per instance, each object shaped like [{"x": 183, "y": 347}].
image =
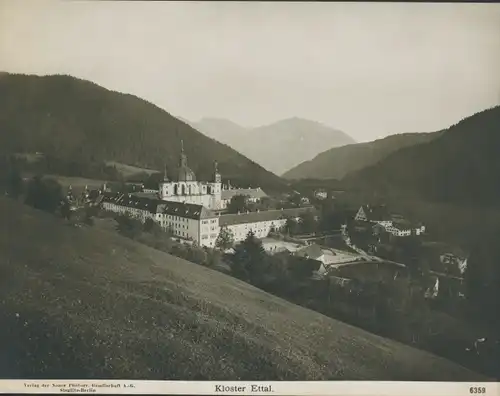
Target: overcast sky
[{"x": 368, "y": 69}]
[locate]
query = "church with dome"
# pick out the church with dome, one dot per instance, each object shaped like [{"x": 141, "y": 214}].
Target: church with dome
[
  {"x": 196, "y": 210},
  {"x": 183, "y": 186}
]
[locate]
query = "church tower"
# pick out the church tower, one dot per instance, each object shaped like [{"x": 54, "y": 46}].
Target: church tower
[
  {"x": 165, "y": 174},
  {"x": 183, "y": 162},
  {"x": 217, "y": 176},
  {"x": 216, "y": 189}
]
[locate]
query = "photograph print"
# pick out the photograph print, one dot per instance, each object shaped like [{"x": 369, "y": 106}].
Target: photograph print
[{"x": 249, "y": 191}]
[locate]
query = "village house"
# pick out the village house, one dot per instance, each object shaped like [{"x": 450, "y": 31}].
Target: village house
[
  {"x": 384, "y": 221},
  {"x": 321, "y": 194}
]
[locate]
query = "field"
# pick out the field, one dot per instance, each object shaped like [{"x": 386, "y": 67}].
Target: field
[
  {"x": 88, "y": 303},
  {"x": 75, "y": 182},
  {"x": 129, "y": 170}
]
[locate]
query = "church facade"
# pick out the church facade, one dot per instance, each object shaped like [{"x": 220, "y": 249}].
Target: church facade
[
  {"x": 194, "y": 210},
  {"x": 184, "y": 188}
]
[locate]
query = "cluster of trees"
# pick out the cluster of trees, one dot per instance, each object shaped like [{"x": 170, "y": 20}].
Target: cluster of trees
[
  {"x": 152, "y": 234},
  {"x": 242, "y": 204},
  {"x": 225, "y": 239},
  {"x": 306, "y": 224},
  {"x": 238, "y": 204},
  {"x": 390, "y": 307},
  {"x": 333, "y": 215},
  {"x": 251, "y": 263},
  {"x": 39, "y": 192},
  {"x": 44, "y": 194}
]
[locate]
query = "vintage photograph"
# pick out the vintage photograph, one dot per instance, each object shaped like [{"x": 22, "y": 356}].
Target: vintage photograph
[{"x": 249, "y": 191}]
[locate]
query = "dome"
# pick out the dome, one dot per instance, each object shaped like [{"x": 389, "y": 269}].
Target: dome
[{"x": 186, "y": 174}]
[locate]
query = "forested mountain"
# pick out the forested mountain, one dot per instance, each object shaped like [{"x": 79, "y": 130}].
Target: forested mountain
[
  {"x": 461, "y": 166},
  {"x": 79, "y": 121},
  {"x": 278, "y": 146},
  {"x": 339, "y": 161}
]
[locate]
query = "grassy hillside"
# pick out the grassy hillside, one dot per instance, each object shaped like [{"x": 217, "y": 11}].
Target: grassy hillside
[
  {"x": 338, "y": 162},
  {"x": 460, "y": 166},
  {"x": 129, "y": 170},
  {"x": 277, "y": 146},
  {"x": 87, "y": 303},
  {"x": 78, "y": 120}
]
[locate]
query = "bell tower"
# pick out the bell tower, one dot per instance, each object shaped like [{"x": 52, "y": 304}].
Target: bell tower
[
  {"x": 183, "y": 159},
  {"x": 216, "y": 189},
  {"x": 165, "y": 174},
  {"x": 217, "y": 176}
]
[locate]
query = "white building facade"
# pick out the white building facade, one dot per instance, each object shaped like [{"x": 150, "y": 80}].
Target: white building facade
[
  {"x": 186, "y": 189},
  {"x": 394, "y": 225},
  {"x": 195, "y": 222}
]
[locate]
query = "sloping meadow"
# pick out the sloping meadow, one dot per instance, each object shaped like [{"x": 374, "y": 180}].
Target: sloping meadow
[{"x": 85, "y": 303}]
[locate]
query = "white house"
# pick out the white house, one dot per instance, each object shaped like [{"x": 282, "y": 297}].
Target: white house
[
  {"x": 321, "y": 194},
  {"x": 393, "y": 224}
]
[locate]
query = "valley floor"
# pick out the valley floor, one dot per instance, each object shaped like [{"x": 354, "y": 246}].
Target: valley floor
[{"x": 87, "y": 303}]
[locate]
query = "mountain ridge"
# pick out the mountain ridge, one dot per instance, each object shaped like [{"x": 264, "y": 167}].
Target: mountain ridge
[
  {"x": 76, "y": 118},
  {"x": 338, "y": 162},
  {"x": 279, "y": 145},
  {"x": 460, "y": 166}
]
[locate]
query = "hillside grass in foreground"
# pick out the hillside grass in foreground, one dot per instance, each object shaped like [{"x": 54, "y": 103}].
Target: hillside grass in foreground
[{"x": 85, "y": 303}]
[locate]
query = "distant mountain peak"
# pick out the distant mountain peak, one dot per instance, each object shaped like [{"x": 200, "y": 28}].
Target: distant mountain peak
[{"x": 277, "y": 146}]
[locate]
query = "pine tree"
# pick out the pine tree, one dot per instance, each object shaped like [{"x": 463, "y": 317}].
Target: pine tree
[{"x": 225, "y": 239}]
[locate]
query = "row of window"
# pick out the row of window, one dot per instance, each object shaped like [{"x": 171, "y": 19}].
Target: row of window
[
  {"x": 175, "y": 218},
  {"x": 205, "y": 236}
]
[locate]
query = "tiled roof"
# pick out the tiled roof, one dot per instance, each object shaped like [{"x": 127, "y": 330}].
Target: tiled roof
[
  {"x": 132, "y": 201},
  {"x": 378, "y": 212},
  {"x": 251, "y": 192},
  {"x": 266, "y": 215},
  {"x": 187, "y": 210},
  {"x": 402, "y": 225},
  {"x": 312, "y": 251},
  {"x": 146, "y": 195}
]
